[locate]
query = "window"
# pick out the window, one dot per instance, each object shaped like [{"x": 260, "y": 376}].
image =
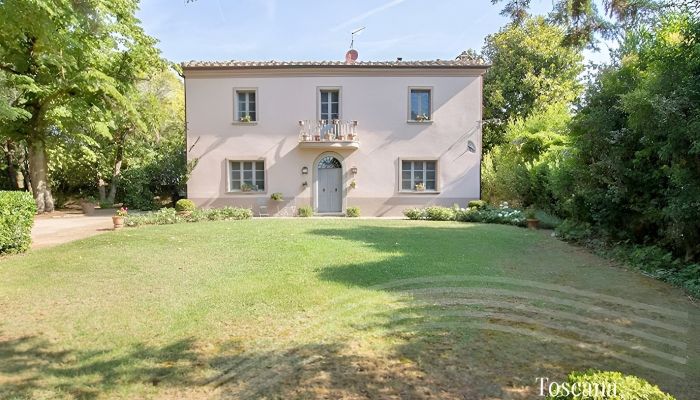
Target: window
[
  {"x": 419, "y": 105},
  {"x": 418, "y": 175},
  {"x": 247, "y": 176},
  {"x": 330, "y": 104},
  {"x": 246, "y": 110}
]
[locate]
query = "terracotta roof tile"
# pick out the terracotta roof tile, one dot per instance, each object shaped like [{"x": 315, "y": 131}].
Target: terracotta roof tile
[{"x": 459, "y": 62}]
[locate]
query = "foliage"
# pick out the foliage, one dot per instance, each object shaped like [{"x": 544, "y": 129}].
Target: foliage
[
  {"x": 353, "y": 212},
  {"x": 477, "y": 204},
  {"x": 17, "y": 211},
  {"x": 414, "y": 213},
  {"x": 490, "y": 215},
  {"x": 277, "y": 196},
  {"x": 68, "y": 65},
  {"x": 305, "y": 211},
  {"x": 635, "y": 171},
  {"x": 522, "y": 170},
  {"x": 530, "y": 71},
  {"x": 167, "y": 216},
  {"x": 436, "y": 213},
  {"x": 185, "y": 205},
  {"x": 625, "y": 387}
]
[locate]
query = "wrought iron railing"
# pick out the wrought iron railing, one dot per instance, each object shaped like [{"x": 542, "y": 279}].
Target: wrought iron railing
[{"x": 327, "y": 131}]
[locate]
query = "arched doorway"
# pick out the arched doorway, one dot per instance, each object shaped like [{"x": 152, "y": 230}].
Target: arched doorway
[{"x": 329, "y": 184}]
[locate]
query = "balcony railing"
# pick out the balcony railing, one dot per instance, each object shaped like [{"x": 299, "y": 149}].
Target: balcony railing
[{"x": 334, "y": 131}]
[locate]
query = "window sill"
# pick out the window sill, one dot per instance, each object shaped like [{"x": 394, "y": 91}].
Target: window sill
[
  {"x": 238, "y": 192},
  {"x": 244, "y": 123},
  {"x": 419, "y": 192},
  {"x": 411, "y": 121}
]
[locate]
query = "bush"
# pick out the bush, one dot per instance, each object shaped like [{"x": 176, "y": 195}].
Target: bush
[
  {"x": 440, "y": 213},
  {"x": 305, "y": 211},
  {"x": 625, "y": 387},
  {"x": 167, "y": 216},
  {"x": 478, "y": 204},
  {"x": 185, "y": 205},
  {"x": 502, "y": 215},
  {"x": 17, "y": 211},
  {"x": 353, "y": 212},
  {"x": 164, "y": 216},
  {"x": 414, "y": 213}
]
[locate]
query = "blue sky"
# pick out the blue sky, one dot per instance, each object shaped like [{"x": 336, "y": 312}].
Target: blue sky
[{"x": 320, "y": 30}]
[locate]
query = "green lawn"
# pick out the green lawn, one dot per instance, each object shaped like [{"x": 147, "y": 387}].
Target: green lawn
[{"x": 329, "y": 308}]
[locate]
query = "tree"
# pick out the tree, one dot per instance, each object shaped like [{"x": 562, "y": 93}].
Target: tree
[
  {"x": 530, "y": 70},
  {"x": 56, "y": 56}
]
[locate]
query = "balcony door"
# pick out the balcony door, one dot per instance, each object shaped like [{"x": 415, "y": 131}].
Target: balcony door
[
  {"x": 329, "y": 190},
  {"x": 329, "y": 107}
]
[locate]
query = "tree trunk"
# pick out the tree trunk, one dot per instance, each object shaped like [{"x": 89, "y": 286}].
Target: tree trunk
[
  {"x": 13, "y": 172},
  {"x": 116, "y": 172},
  {"x": 39, "y": 172}
]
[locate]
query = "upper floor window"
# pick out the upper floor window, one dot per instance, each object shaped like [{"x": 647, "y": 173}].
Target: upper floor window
[
  {"x": 247, "y": 176},
  {"x": 420, "y": 107},
  {"x": 330, "y": 104},
  {"x": 418, "y": 175},
  {"x": 246, "y": 105}
]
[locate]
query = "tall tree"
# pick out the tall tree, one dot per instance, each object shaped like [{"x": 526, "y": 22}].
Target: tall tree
[
  {"x": 530, "y": 69},
  {"x": 56, "y": 54}
]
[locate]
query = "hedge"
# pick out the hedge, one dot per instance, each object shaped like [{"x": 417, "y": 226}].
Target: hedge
[{"x": 17, "y": 211}]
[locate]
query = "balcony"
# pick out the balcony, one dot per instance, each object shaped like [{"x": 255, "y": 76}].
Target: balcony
[{"x": 324, "y": 134}]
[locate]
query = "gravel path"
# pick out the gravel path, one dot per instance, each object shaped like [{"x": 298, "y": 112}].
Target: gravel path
[{"x": 63, "y": 227}]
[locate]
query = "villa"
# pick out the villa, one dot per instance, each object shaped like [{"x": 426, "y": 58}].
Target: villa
[{"x": 382, "y": 136}]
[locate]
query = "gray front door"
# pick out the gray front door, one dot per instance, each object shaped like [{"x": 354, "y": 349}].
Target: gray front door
[{"x": 330, "y": 188}]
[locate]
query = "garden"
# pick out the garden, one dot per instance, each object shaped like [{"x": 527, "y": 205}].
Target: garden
[{"x": 331, "y": 308}]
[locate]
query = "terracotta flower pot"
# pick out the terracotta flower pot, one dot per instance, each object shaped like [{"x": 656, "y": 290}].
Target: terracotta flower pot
[
  {"x": 118, "y": 221},
  {"x": 533, "y": 223}
]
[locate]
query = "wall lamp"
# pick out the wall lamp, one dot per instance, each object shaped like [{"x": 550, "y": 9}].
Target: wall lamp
[
  {"x": 353, "y": 170},
  {"x": 304, "y": 170}
]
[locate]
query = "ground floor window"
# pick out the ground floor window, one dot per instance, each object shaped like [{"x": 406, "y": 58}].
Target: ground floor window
[
  {"x": 418, "y": 175},
  {"x": 247, "y": 176}
]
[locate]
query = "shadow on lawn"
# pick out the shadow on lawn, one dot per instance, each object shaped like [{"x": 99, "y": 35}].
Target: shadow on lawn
[{"x": 29, "y": 366}]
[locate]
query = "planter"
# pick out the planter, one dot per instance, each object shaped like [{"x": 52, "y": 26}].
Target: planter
[
  {"x": 88, "y": 208},
  {"x": 341, "y": 137},
  {"x": 533, "y": 223},
  {"x": 118, "y": 221},
  {"x": 306, "y": 138},
  {"x": 351, "y": 137},
  {"x": 317, "y": 138}
]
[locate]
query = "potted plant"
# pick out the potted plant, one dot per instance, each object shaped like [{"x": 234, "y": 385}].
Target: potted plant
[
  {"x": 246, "y": 118},
  {"x": 317, "y": 137},
  {"x": 341, "y": 137},
  {"x": 305, "y": 137},
  {"x": 532, "y": 221},
  {"x": 420, "y": 187},
  {"x": 353, "y": 184},
  {"x": 352, "y": 137},
  {"x": 184, "y": 207},
  {"x": 88, "y": 205},
  {"x": 246, "y": 187},
  {"x": 328, "y": 136},
  {"x": 422, "y": 117},
  {"x": 277, "y": 196},
  {"x": 118, "y": 218}
]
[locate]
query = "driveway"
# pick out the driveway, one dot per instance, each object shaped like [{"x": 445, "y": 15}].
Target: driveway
[{"x": 66, "y": 226}]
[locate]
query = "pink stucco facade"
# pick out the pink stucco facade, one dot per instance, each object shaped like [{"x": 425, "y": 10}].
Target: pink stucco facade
[{"x": 377, "y": 98}]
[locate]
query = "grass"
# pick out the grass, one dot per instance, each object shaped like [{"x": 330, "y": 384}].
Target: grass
[{"x": 328, "y": 309}]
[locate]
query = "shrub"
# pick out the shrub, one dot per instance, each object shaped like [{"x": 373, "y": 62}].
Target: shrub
[
  {"x": 164, "y": 216},
  {"x": 17, "y": 211},
  {"x": 440, "y": 213},
  {"x": 277, "y": 196},
  {"x": 185, "y": 205},
  {"x": 414, "y": 213},
  {"x": 478, "y": 204},
  {"x": 502, "y": 215},
  {"x": 353, "y": 212},
  {"x": 625, "y": 387},
  {"x": 305, "y": 211}
]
